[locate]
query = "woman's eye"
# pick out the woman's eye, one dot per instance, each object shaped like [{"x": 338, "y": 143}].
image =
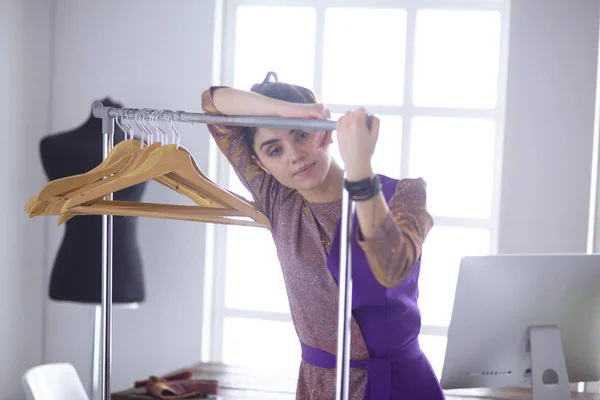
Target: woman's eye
[
  {"x": 274, "y": 152},
  {"x": 303, "y": 135}
]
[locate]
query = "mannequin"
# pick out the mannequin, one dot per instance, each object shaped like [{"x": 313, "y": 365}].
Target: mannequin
[{"x": 77, "y": 271}]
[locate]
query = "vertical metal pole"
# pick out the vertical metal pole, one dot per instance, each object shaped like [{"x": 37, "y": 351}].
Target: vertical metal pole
[
  {"x": 96, "y": 354},
  {"x": 108, "y": 130},
  {"x": 345, "y": 299}
]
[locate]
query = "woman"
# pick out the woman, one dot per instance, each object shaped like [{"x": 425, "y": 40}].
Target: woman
[{"x": 298, "y": 186}]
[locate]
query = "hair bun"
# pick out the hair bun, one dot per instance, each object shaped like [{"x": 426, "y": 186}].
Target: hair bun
[{"x": 270, "y": 75}]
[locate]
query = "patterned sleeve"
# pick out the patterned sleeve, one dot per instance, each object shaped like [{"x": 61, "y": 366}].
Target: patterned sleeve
[
  {"x": 230, "y": 140},
  {"x": 396, "y": 246}
]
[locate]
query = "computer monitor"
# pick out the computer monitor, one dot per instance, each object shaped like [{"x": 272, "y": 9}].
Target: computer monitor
[{"x": 525, "y": 321}]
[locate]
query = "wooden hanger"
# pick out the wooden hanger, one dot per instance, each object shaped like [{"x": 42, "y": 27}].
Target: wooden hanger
[
  {"x": 166, "y": 160},
  {"x": 65, "y": 188},
  {"x": 115, "y": 161},
  {"x": 133, "y": 156},
  {"x": 187, "y": 213},
  {"x": 173, "y": 166},
  {"x": 112, "y": 163}
]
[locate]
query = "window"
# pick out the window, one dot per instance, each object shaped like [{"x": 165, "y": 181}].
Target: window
[
  {"x": 433, "y": 72},
  {"x": 364, "y": 52}
]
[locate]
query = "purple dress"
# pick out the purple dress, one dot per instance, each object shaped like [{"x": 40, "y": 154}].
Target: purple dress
[{"x": 386, "y": 360}]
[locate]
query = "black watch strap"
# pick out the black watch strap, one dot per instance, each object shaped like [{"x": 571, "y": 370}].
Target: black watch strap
[{"x": 364, "y": 189}]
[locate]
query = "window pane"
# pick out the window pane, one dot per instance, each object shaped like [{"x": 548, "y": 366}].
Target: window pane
[
  {"x": 252, "y": 282},
  {"x": 364, "y": 56},
  {"x": 253, "y": 277},
  {"x": 236, "y": 185},
  {"x": 456, "y": 158},
  {"x": 387, "y": 156},
  {"x": 255, "y": 342},
  {"x": 434, "y": 348},
  {"x": 442, "y": 252},
  {"x": 264, "y": 42},
  {"x": 456, "y": 58}
]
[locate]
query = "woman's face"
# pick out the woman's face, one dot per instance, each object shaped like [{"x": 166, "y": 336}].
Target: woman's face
[{"x": 293, "y": 157}]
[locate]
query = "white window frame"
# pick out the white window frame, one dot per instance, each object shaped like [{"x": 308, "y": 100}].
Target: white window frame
[{"x": 215, "y": 310}]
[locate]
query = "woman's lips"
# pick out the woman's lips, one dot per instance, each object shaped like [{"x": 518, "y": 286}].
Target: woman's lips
[{"x": 304, "y": 170}]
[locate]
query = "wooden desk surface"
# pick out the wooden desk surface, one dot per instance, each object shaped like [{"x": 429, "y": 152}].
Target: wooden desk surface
[{"x": 239, "y": 383}]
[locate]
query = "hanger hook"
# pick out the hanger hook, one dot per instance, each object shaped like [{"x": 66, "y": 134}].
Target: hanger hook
[
  {"x": 138, "y": 121},
  {"x": 135, "y": 119},
  {"x": 145, "y": 122},
  {"x": 124, "y": 121},
  {"x": 129, "y": 114},
  {"x": 165, "y": 134},
  {"x": 120, "y": 112},
  {"x": 152, "y": 124},
  {"x": 172, "y": 125},
  {"x": 157, "y": 117}
]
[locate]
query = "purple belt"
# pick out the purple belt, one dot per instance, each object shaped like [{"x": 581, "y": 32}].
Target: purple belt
[{"x": 379, "y": 385}]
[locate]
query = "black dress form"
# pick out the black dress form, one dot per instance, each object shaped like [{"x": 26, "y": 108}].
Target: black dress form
[{"x": 77, "y": 271}]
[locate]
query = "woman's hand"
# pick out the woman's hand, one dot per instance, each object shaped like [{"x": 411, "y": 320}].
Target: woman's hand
[{"x": 357, "y": 143}]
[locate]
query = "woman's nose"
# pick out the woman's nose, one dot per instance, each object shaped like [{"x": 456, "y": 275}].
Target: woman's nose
[{"x": 296, "y": 154}]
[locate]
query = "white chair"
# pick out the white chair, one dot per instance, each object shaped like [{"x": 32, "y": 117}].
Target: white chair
[{"x": 58, "y": 381}]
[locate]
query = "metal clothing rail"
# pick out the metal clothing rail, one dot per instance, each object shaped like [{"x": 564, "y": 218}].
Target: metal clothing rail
[{"x": 108, "y": 115}]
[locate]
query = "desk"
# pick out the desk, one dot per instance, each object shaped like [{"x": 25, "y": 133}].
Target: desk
[{"x": 239, "y": 383}]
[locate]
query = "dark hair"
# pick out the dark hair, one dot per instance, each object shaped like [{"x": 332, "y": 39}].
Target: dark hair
[{"x": 280, "y": 91}]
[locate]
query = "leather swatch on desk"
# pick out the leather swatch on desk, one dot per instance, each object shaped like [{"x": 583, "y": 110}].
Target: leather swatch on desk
[
  {"x": 178, "y": 386},
  {"x": 142, "y": 394}
]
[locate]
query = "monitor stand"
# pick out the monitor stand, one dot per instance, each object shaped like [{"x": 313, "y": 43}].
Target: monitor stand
[{"x": 549, "y": 379}]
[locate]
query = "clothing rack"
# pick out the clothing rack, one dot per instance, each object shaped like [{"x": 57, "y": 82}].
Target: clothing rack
[{"x": 108, "y": 115}]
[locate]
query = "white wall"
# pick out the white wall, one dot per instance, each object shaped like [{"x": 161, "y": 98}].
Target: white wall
[
  {"x": 24, "y": 90},
  {"x": 155, "y": 54},
  {"x": 549, "y": 126}
]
